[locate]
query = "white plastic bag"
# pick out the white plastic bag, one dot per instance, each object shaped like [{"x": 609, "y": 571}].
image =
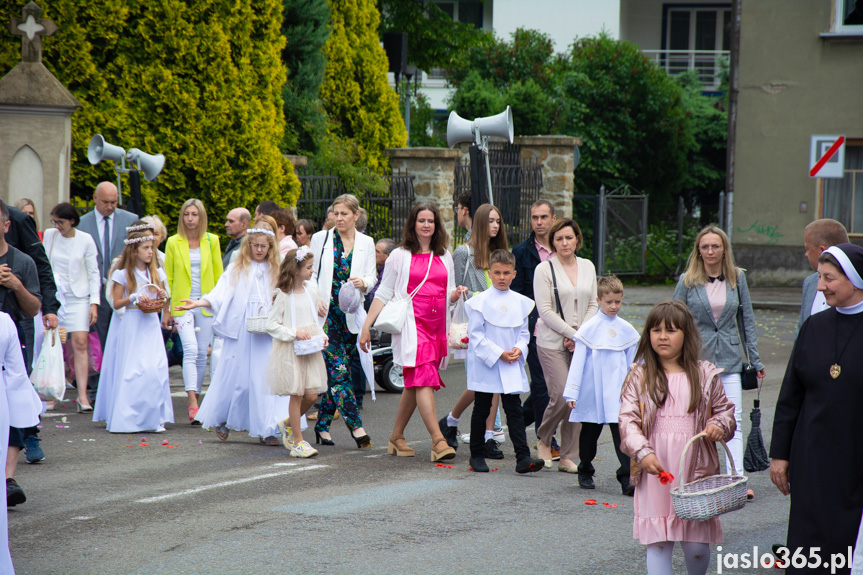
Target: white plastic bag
[
  {"x": 49, "y": 375},
  {"x": 457, "y": 334}
]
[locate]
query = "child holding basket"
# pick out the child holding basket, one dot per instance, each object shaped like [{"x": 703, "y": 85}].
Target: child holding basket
[{"x": 668, "y": 397}]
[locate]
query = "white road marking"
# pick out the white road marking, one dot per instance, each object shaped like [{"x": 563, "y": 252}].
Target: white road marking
[
  {"x": 82, "y": 518},
  {"x": 227, "y": 484}
]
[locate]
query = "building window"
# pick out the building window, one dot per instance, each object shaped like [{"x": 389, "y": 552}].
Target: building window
[
  {"x": 464, "y": 11},
  {"x": 842, "y": 199},
  {"x": 693, "y": 37},
  {"x": 848, "y": 16}
]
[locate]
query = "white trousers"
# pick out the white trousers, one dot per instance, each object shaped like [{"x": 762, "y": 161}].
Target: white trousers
[
  {"x": 195, "y": 330},
  {"x": 734, "y": 392}
]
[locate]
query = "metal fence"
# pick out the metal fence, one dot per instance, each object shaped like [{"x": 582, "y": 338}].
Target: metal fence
[
  {"x": 387, "y": 214},
  {"x": 516, "y": 184}
]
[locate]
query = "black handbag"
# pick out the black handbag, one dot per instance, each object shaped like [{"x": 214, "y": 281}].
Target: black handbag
[{"x": 748, "y": 374}]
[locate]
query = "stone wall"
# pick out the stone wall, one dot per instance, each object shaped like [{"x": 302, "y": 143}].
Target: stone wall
[
  {"x": 433, "y": 170},
  {"x": 557, "y": 155}
]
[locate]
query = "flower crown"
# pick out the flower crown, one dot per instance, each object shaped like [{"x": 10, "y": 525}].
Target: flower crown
[
  {"x": 139, "y": 240},
  {"x": 260, "y": 231},
  {"x": 303, "y": 252},
  {"x": 140, "y": 228}
]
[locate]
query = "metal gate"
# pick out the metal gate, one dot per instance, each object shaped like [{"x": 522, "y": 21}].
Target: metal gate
[{"x": 622, "y": 232}]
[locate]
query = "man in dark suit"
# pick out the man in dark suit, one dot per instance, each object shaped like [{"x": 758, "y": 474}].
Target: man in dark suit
[
  {"x": 529, "y": 254},
  {"x": 107, "y": 225},
  {"x": 817, "y": 237},
  {"x": 236, "y": 224}
]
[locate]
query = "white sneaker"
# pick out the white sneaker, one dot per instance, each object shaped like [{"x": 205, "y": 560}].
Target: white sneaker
[
  {"x": 285, "y": 430},
  {"x": 160, "y": 429},
  {"x": 303, "y": 449},
  {"x": 465, "y": 438},
  {"x": 499, "y": 436}
]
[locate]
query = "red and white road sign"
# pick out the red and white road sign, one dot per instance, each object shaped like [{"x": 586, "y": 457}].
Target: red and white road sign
[{"x": 827, "y": 156}]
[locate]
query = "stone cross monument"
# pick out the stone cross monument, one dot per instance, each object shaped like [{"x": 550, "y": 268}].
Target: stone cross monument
[{"x": 36, "y": 122}]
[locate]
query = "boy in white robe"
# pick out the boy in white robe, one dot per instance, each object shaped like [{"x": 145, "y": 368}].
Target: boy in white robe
[
  {"x": 498, "y": 337},
  {"x": 605, "y": 346}
]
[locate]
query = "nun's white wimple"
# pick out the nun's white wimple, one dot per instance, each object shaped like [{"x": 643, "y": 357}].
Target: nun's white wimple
[{"x": 847, "y": 266}]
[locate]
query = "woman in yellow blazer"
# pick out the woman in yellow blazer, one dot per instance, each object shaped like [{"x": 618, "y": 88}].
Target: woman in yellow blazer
[{"x": 193, "y": 264}]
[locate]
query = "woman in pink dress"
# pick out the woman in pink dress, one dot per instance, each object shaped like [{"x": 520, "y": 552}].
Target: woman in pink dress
[
  {"x": 668, "y": 398},
  {"x": 421, "y": 268}
]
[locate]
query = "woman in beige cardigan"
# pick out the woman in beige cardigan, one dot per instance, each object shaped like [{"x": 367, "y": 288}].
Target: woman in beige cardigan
[{"x": 565, "y": 291}]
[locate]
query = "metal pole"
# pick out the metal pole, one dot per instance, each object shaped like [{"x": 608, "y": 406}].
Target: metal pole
[
  {"x": 722, "y": 210},
  {"x": 729, "y": 217},
  {"x": 487, "y": 169},
  {"x": 679, "y": 234},
  {"x": 408, "y": 112},
  {"x": 600, "y": 258}
]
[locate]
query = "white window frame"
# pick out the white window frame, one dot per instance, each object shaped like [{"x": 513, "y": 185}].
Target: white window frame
[
  {"x": 692, "y": 16},
  {"x": 837, "y": 27}
]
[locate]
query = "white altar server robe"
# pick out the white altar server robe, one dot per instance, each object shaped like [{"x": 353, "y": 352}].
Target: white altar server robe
[
  {"x": 604, "y": 349},
  {"x": 497, "y": 322}
]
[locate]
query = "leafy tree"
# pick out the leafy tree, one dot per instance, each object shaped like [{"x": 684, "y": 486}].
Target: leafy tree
[
  {"x": 197, "y": 80},
  {"x": 427, "y": 129},
  {"x": 708, "y": 123},
  {"x": 630, "y": 115},
  {"x": 498, "y": 73},
  {"x": 434, "y": 39},
  {"x": 305, "y": 26},
  {"x": 359, "y": 101}
]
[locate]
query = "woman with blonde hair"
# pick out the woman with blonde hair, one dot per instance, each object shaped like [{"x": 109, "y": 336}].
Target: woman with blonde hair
[
  {"x": 193, "y": 263},
  {"x": 342, "y": 255},
  {"x": 713, "y": 289},
  {"x": 160, "y": 232},
  {"x": 27, "y": 206},
  {"x": 237, "y": 398}
]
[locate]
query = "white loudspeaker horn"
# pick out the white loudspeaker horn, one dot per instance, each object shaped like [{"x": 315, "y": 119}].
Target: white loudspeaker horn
[
  {"x": 499, "y": 125},
  {"x": 149, "y": 164},
  {"x": 460, "y": 130},
  {"x": 99, "y": 150}
]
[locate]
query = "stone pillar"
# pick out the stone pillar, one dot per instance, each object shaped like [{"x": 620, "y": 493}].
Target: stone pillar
[
  {"x": 434, "y": 176},
  {"x": 557, "y": 155}
]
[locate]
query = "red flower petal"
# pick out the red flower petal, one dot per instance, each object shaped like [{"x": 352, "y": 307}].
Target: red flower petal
[{"x": 590, "y": 502}]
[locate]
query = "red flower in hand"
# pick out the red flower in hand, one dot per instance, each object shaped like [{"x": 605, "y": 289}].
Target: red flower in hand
[
  {"x": 464, "y": 340},
  {"x": 665, "y": 478}
]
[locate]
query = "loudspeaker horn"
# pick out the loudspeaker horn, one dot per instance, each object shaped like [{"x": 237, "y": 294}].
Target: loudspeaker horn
[
  {"x": 99, "y": 150},
  {"x": 150, "y": 164},
  {"x": 460, "y": 130}
]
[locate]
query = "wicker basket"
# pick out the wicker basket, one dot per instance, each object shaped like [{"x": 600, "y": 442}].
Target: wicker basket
[
  {"x": 150, "y": 305},
  {"x": 711, "y": 496},
  {"x": 257, "y": 323}
]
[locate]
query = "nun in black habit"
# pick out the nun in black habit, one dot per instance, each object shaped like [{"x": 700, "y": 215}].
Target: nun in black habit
[{"x": 817, "y": 443}]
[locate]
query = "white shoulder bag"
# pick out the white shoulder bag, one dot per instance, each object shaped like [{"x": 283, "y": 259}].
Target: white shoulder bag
[
  {"x": 393, "y": 315},
  {"x": 305, "y": 346}
]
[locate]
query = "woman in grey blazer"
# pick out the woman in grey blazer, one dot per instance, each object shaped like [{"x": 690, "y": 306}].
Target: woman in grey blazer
[
  {"x": 471, "y": 270},
  {"x": 713, "y": 287}
]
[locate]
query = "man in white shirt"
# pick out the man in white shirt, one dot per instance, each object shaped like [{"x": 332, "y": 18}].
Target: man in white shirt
[{"x": 107, "y": 225}]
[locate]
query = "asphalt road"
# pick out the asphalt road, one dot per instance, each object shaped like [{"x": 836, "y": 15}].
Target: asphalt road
[{"x": 105, "y": 503}]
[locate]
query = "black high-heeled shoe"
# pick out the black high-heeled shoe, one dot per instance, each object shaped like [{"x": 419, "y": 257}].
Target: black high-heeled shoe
[
  {"x": 362, "y": 442},
  {"x": 322, "y": 440}
]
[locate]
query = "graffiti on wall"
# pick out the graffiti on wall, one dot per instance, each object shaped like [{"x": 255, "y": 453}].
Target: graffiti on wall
[{"x": 767, "y": 232}]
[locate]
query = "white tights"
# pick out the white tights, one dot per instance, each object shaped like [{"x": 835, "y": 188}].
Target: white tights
[{"x": 696, "y": 555}]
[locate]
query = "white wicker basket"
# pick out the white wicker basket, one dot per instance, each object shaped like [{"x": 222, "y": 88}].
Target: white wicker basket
[
  {"x": 711, "y": 496},
  {"x": 257, "y": 323}
]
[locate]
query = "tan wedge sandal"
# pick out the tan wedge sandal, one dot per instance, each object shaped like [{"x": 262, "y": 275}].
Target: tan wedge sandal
[
  {"x": 399, "y": 447},
  {"x": 441, "y": 450}
]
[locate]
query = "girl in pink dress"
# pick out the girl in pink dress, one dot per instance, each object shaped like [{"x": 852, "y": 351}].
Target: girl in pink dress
[
  {"x": 421, "y": 268},
  {"x": 668, "y": 397}
]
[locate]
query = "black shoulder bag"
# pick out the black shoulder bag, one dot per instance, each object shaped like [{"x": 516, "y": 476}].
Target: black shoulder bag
[
  {"x": 321, "y": 260},
  {"x": 556, "y": 295},
  {"x": 748, "y": 375}
]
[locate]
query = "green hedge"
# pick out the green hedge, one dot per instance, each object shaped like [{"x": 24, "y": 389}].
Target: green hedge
[{"x": 199, "y": 81}]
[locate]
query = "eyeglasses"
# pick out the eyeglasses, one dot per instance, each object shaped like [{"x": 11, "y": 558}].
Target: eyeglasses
[
  {"x": 713, "y": 248},
  {"x": 58, "y": 222}
]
